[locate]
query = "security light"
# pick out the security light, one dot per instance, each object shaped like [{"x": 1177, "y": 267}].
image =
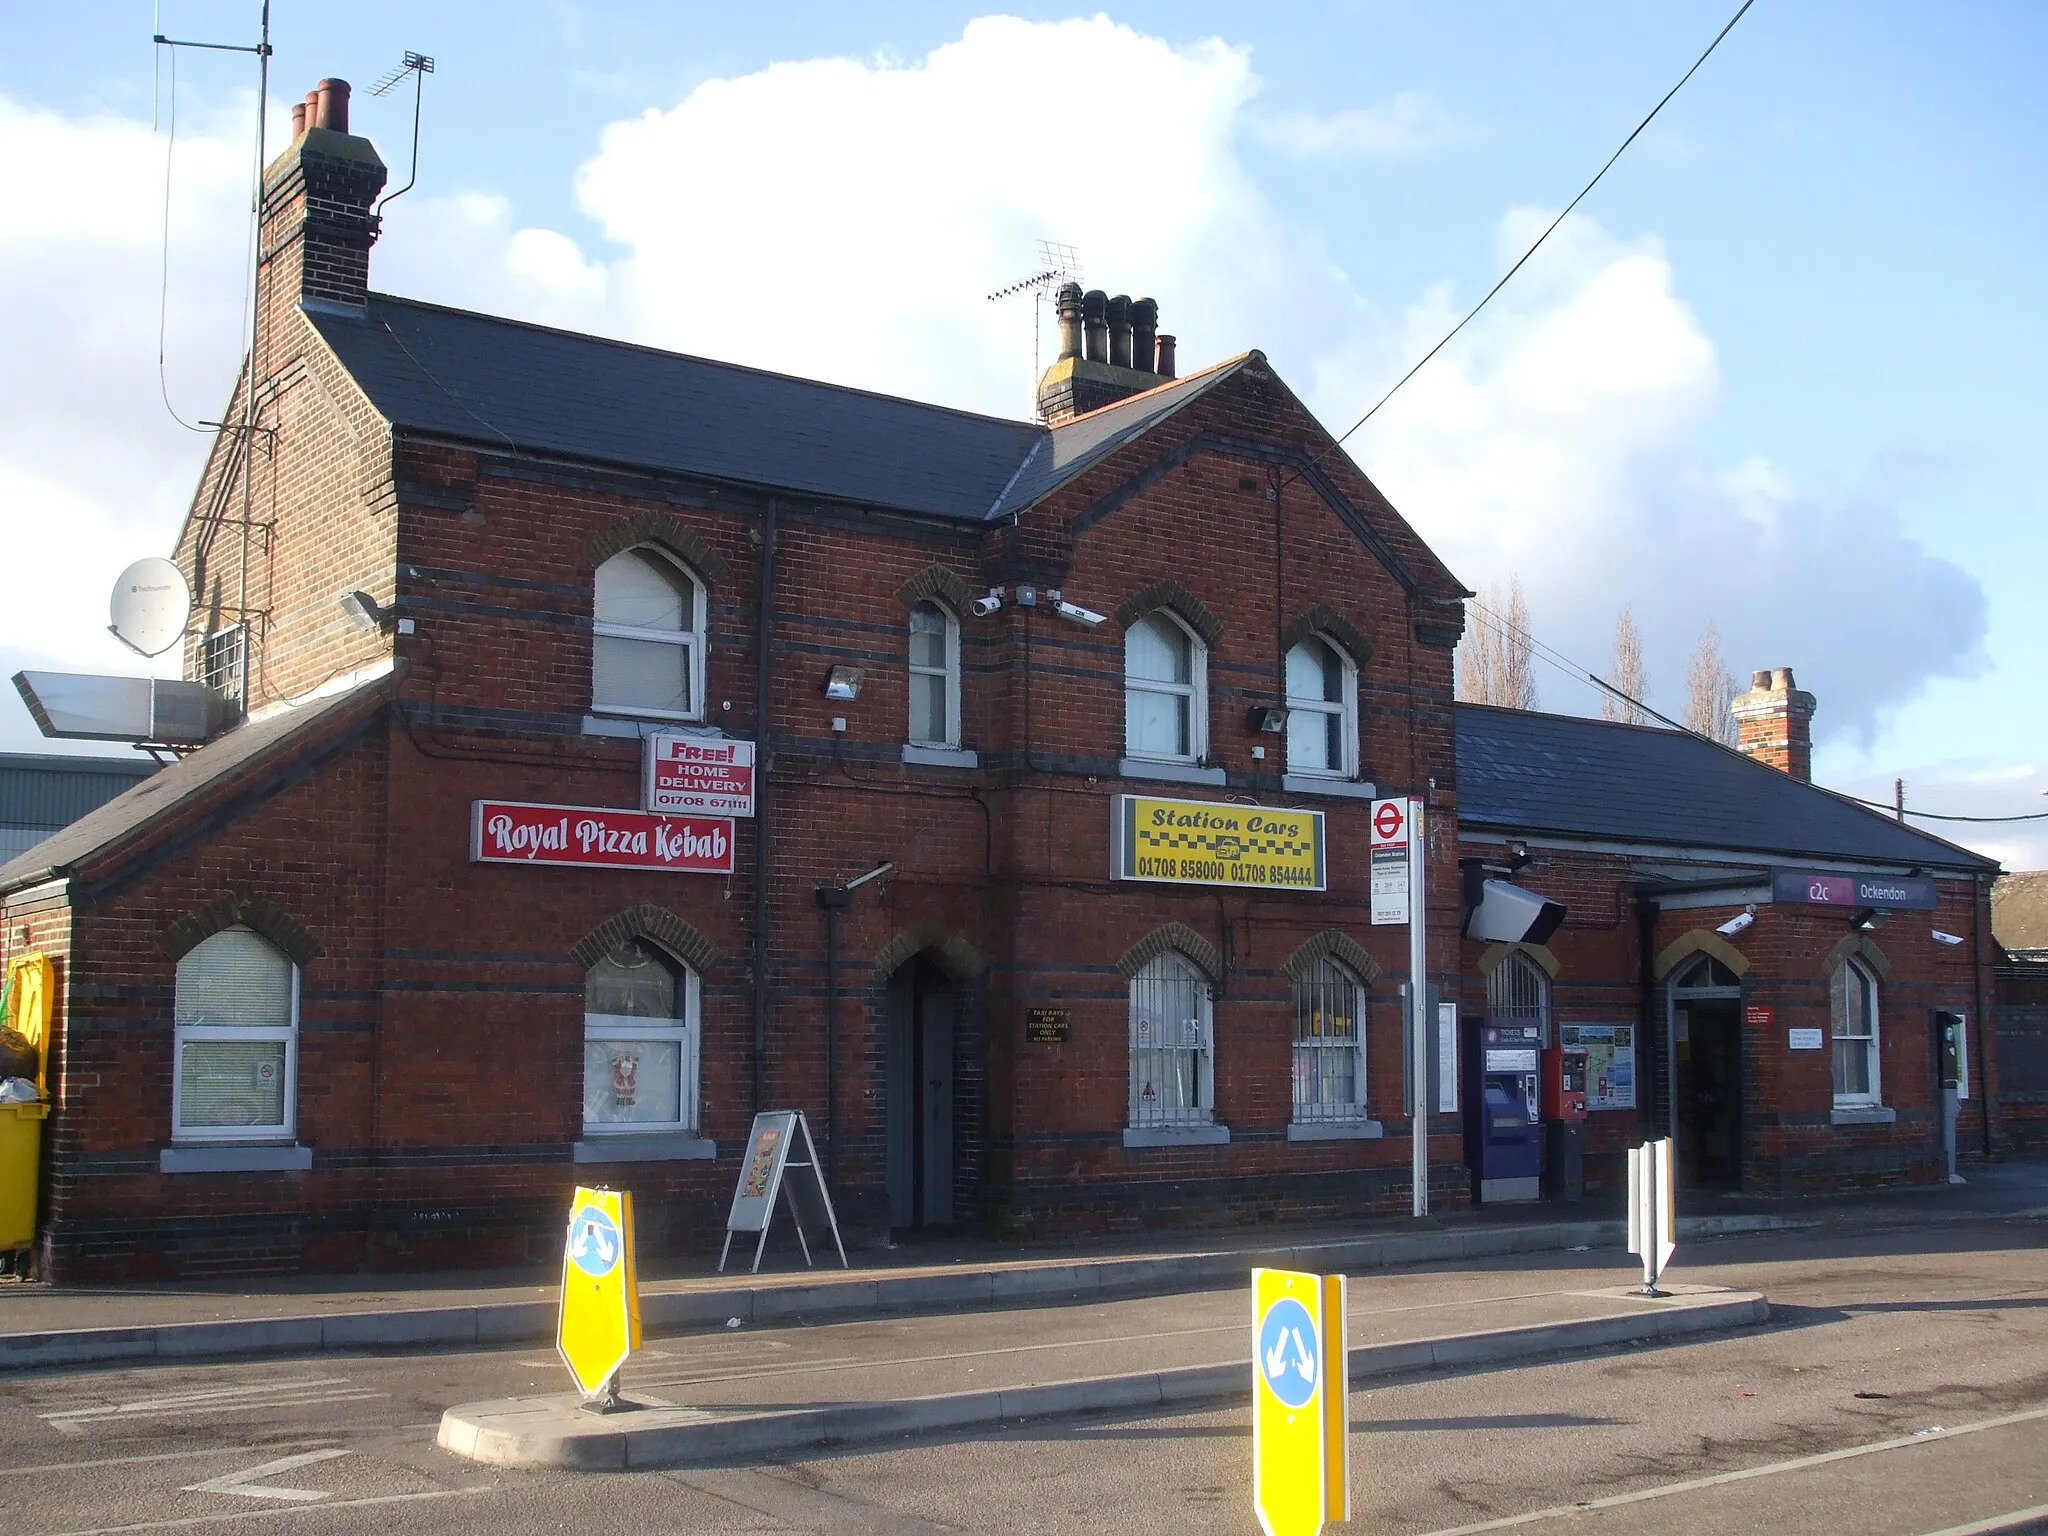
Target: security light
[
  {"x": 1738, "y": 922},
  {"x": 1950, "y": 939},
  {"x": 1870, "y": 919},
  {"x": 1267, "y": 719},
  {"x": 844, "y": 684},
  {"x": 361, "y": 610}
]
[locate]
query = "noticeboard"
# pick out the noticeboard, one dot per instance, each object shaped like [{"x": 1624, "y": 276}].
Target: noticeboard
[
  {"x": 1610, "y": 1062},
  {"x": 1046, "y": 1026},
  {"x": 1200, "y": 842}
]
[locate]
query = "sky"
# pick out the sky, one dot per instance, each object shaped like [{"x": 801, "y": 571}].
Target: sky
[{"x": 1780, "y": 371}]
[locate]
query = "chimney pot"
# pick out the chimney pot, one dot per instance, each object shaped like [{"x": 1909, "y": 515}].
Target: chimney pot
[
  {"x": 1163, "y": 365},
  {"x": 1774, "y": 722},
  {"x": 1120, "y": 331},
  {"x": 1095, "y": 325},
  {"x": 1781, "y": 678},
  {"x": 331, "y": 97},
  {"x": 1760, "y": 679},
  {"x": 298, "y": 118},
  {"x": 1067, "y": 303},
  {"x": 1144, "y": 333},
  {"x": 312, "y": 106}
]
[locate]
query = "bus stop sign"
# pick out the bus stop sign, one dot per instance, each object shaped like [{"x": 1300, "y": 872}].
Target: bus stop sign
[{"x": 600, "y": 1323}]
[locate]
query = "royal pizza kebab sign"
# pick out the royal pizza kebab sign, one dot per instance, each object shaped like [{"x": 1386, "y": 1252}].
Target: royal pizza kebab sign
[{"x": 590, "y": 837}]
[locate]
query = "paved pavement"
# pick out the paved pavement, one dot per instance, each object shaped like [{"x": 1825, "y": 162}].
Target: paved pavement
[{"x": 1875, "y": 1336}]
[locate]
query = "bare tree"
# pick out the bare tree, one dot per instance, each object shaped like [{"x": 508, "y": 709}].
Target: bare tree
[
  {"x": 1626, "y": 675},
  {"x": 1709, "y": 688},
  {"x": 1496, "y": 659}
]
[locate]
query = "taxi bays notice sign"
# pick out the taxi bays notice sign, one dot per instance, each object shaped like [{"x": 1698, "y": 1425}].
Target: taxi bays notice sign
[
  {"x": 1301, "y": 1432},
  {"x": 599, "y": 1327},
  {"x": 1199, "y": 842}
]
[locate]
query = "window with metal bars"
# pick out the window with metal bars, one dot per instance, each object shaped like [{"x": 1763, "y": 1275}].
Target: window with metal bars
[
  {"x": 1519, "y": 988},
  {"x": 1173, "y": 1080},
  {"x": 1329, "y": 1044},
  {"x": 224, "y": 666}
]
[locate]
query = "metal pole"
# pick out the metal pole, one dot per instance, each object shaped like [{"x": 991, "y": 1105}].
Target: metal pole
[
  {"x": 1418, "y": 1000},
  {"x": 832, "y": 911}
]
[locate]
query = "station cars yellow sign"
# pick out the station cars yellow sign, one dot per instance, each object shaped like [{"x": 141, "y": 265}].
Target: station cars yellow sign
[{"x": 1199, "y": 842}]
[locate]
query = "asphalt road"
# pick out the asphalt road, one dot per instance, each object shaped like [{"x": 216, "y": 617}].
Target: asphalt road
[{"x": 1877, "y": 1339}]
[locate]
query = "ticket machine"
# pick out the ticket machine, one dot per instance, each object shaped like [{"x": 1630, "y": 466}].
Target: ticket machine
[
  {"x": 1503, "y": 1129},
  {"x": 1564, "y": 1114}
]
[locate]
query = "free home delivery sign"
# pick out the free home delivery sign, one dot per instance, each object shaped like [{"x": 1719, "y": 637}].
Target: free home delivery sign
[
  {"x": 712, "y": 776},
  {"x": 1196, "y": 842},
  {"x": 518, "y": 832}
]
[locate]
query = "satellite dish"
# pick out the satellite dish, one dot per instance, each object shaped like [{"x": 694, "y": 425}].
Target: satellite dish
[{"x": 150, "y": 606}]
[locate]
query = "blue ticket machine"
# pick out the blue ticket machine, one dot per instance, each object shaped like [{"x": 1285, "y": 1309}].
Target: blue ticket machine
[{"x": 1503, "y": 1129}]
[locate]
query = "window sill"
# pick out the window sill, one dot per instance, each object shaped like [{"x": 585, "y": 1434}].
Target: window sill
[
  {"x": 1336, "y": 1130},
  {"x": 273, "y": 1157},
  {"x": 635, "y": 727},
  {"x": 1178, "y": 1136},
  {"x": 1863, "y": 1114},
  {"x": 1172, "y": 773},
  {"x": 1309, "y": 784},
  {"x": 658, "y": 1147},
  {"x": 940, "y": 757}
]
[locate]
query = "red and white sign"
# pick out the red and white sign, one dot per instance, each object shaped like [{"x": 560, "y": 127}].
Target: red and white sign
[
  {"x": 707, "y": 774},
  {"x": 1388, "y": 887},
  {"x": 583, "y": 837},
  {"x": 1390, "y": 823}
]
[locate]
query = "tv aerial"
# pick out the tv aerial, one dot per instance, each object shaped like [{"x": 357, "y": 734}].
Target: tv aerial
[
  {"x": 1057, "y": 263},
  {"x": 150, "y": 606},
  {"x": 418, "y": 66}
]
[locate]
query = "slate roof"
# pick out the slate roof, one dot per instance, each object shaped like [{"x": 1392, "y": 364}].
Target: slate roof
[
  {"x": 485, "y": 379},
  {"x": 1520, "y": 771},
  {"x": 131, "y": 814}
]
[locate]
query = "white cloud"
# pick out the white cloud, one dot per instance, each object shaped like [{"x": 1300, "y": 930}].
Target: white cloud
[
  {"x": 844, "y": 219},
  {"x": 1404, "y": 126}
]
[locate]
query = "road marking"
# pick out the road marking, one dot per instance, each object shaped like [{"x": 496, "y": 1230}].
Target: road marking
[
  {"x": 285, "y": 1393},
  {"x": 129, "y": 1461},
  {"x": 191, "y": 1521},
  {"x": 242, "y": 1482},
  {"x": 1768, "y": 1469},
  {"x": 2003, "y": 1522}
]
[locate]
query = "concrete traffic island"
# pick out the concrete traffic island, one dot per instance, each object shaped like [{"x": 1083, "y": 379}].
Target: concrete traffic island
[{"x": 555, "y": 1431}]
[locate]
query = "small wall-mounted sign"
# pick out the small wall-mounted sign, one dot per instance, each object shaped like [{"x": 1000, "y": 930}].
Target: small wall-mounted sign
[
  {"x": 1046, "y": 1026},
  {"x": 1755, "y": 1017},
  {"x": 707, "y": 776},
  {"x": 1805, "y": 1039}
]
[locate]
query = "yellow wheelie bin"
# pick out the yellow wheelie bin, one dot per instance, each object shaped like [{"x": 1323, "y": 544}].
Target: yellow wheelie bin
[{"x": 24, "y": 1023}]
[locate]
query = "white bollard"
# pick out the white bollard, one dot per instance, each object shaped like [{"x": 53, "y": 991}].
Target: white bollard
[{"x": 1652, "y": 1222}]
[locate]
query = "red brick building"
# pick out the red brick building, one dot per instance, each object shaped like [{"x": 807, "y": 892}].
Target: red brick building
[{"x": 317, "y": 1009}]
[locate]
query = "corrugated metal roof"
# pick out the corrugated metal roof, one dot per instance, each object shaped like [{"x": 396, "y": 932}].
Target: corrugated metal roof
[
  {"x": 1521, "y": 771},
  {"x": 458, "y": 374},
  {"x": 49, "y": 791}
]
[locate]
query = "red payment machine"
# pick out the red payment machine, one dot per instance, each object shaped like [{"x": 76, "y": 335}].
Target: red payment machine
[{"x": 1564, "y": 1084}]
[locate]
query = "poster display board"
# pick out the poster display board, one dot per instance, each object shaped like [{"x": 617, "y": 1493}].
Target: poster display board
[
  {"x": 1610, "y": 1062},
  {"x": 1200, "y": 842},
  {"x": 779, "y": 1141}
]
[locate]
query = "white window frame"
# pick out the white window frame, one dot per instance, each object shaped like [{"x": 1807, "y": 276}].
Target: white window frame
[
  {"x": 1853, "y": 972},
  {"x": 1501, "y": 1004},
  {"x": 1203, "y": 1110},
  {"x": 692, "y": 638},
  {"x": 1312, "y": 995},
  {"x": 224, "y": 664},
  {"x": 1345, "y": 708},
  {"x": 187, "y": 1034},
  {"x": 686, "y": 1032},
  {"x": 1195, "y": 691},
  {"x": 949, "y": 739}
]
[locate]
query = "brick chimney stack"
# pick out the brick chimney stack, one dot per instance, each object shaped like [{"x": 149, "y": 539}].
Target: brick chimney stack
[
  {"x": 1775, "y": 723},
  {"x": 1110, "y": 349},
  {"x": 317, "y": 196}
]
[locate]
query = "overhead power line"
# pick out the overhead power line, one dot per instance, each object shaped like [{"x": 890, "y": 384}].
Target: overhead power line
[{"x": 1548, "y": 231}]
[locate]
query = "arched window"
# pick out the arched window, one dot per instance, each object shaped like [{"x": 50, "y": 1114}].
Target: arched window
[
  {"x": 1852, "y": 1005},
  {"x": 236, "y": 1015},
  {"x": 1166, "y": 713},
  {"x": 934, "y": 677},
  {"x": 1322, "y": 711},
  {"x": 1704, "y": 971},
  {"x": 1519, "y": 988},
  {"x": 647, "y": 654},
  {"x": 1329, "y": 1044},
  {"x": 640, "y": 1033},
  {"x": 1173, "y": 1080}
]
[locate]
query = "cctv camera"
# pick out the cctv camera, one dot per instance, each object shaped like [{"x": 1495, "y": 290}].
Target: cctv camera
[
  {"x": 1950, "y": 939},
  {"x": 1078, "y": 614},
  {"x": 984, "y": 606},
  {"x": 1738, "y": 922}
]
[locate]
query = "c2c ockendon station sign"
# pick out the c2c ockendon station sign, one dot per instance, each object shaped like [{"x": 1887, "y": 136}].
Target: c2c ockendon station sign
[{"x": 1908, "y": 893}]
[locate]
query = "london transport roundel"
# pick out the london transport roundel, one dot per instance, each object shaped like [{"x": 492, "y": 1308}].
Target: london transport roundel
[
  {"x": 1287, "y": 1352},
  {"x": 1387, "y": 822},
  {"x": 596, "y": 1246}
]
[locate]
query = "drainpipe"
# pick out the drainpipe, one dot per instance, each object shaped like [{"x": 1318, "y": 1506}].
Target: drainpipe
[
  {"x": 764, "y": 624},
  {"x": 835, "y": 899},
  {"x": 1987, "y": 1105}
]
